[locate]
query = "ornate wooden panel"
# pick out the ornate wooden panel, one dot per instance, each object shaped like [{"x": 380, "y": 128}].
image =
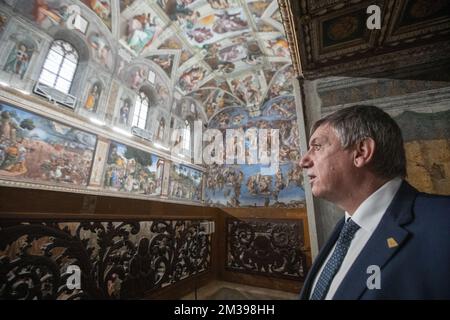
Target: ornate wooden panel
[
  {"x": 123, "y": 260},
  {"x": 272, "y": 248}
]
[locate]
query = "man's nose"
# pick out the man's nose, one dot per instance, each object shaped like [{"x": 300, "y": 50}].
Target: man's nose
[{"x": 305, "y": 161}]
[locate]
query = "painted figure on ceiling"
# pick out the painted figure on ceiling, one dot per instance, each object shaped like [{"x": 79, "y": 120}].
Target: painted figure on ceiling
[
  {"x": 165, "y": 62},
  {"x": 233, "y": 53},
  {"x": 200, "y": 34},
  {"x": 189, "y": 79},
  {"x": 138, "y": 77},
  {"x": 186, "y": 18},
  {"x": 46, "y": 16},
  {"x": 279, "y": 47},
  {"x": 278, "y": 110},
  {"x": 173, "y": 7},
  {"x": 229, "y": 22},
  {"x": 102, "y": 50},
  {"x": 101, "y": 8},
  {"x": 219, "y": 4},
  {"x": 252, "y": 93},
  {"x": 163, "y": 94},
  {"x": 141, "y": 31},
  {"x": 238, "y": 89}
]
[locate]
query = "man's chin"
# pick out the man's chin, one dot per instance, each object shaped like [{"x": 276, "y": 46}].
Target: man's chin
[{"x": 316, "y": 193}]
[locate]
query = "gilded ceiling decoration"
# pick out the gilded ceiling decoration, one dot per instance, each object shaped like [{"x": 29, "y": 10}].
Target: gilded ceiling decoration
[{"x": 331, "y": 37}]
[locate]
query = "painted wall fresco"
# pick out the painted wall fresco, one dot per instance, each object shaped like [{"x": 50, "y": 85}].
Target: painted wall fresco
[
  {"x": 137, "y": 76},
  {"x": 427, "y": 147},
  {"x": 57, "y": 14},
  {"x": 246, "y": 184},
  {"x": 220, "y": 52},
  {"x": 36, "y": 148},
  {"x": 101, "y": 50},
  {"x": 131, "y": 170},
  {"x": 93, "y": 97},
  {"x": 185, "y": 183},
  {"x": 50, "y": 13},
  {"x": 124, "y": 111},
  {"x": 19, "y": 57}
]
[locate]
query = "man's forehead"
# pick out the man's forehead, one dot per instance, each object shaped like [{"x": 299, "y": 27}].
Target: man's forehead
[{"x": 321, "y": 133}]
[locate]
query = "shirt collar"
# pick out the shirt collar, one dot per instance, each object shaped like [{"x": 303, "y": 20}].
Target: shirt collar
[{"x": 371, "y": 210}]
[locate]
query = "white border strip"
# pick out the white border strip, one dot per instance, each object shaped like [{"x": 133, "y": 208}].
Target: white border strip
[{"x": 307, "y": 187}]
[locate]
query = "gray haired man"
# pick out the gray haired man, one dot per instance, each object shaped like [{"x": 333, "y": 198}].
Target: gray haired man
[{"x": 394, "y": 242}]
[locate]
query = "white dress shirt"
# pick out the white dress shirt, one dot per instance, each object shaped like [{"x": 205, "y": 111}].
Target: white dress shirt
[{"x": 367, "y": 216}]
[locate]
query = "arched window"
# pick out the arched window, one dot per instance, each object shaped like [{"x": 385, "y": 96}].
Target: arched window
[
  {"x": 187, "y": 136},
  {"x": 59, "y": 67},
  {"x": 141, "y": 110}
]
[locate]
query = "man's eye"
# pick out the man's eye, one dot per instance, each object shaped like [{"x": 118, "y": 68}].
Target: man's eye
[{"x": 316, "y": 147}]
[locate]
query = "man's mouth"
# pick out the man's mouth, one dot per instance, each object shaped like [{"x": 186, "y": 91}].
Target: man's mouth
[{"x": 311, "y": 178}]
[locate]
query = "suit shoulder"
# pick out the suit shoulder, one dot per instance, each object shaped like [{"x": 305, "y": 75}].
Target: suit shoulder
[
  {"x": 433, "y": 205},
  {"x": 432, "y": 198}
]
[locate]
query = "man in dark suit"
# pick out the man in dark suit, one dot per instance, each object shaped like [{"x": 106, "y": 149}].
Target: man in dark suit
[{"x": 394, "y": 242}]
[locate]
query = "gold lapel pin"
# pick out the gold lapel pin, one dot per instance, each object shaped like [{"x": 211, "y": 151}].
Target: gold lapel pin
[{"x": 391, "y": 243}]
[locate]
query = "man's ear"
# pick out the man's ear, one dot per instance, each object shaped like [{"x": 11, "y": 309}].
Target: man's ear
[{"x": 364, "y": 152}]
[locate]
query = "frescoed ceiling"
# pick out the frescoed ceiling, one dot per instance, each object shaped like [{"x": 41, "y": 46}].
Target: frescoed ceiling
[
  {"x": 226, "y": 51},
  {"x": 209, "y": 49}
]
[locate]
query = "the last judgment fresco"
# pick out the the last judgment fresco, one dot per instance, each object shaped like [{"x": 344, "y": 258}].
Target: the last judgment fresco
[
  {"x": 243, "y": 185},
  {"x": 35, "y": 148}
]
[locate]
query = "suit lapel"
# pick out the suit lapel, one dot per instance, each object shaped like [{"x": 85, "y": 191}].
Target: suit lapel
[
  {"x": 323, "y": 254},
  {"x": 378, "y": 250}
]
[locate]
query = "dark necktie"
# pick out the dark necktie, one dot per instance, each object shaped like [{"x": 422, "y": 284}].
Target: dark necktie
[{"x": 335, "y": 261}]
